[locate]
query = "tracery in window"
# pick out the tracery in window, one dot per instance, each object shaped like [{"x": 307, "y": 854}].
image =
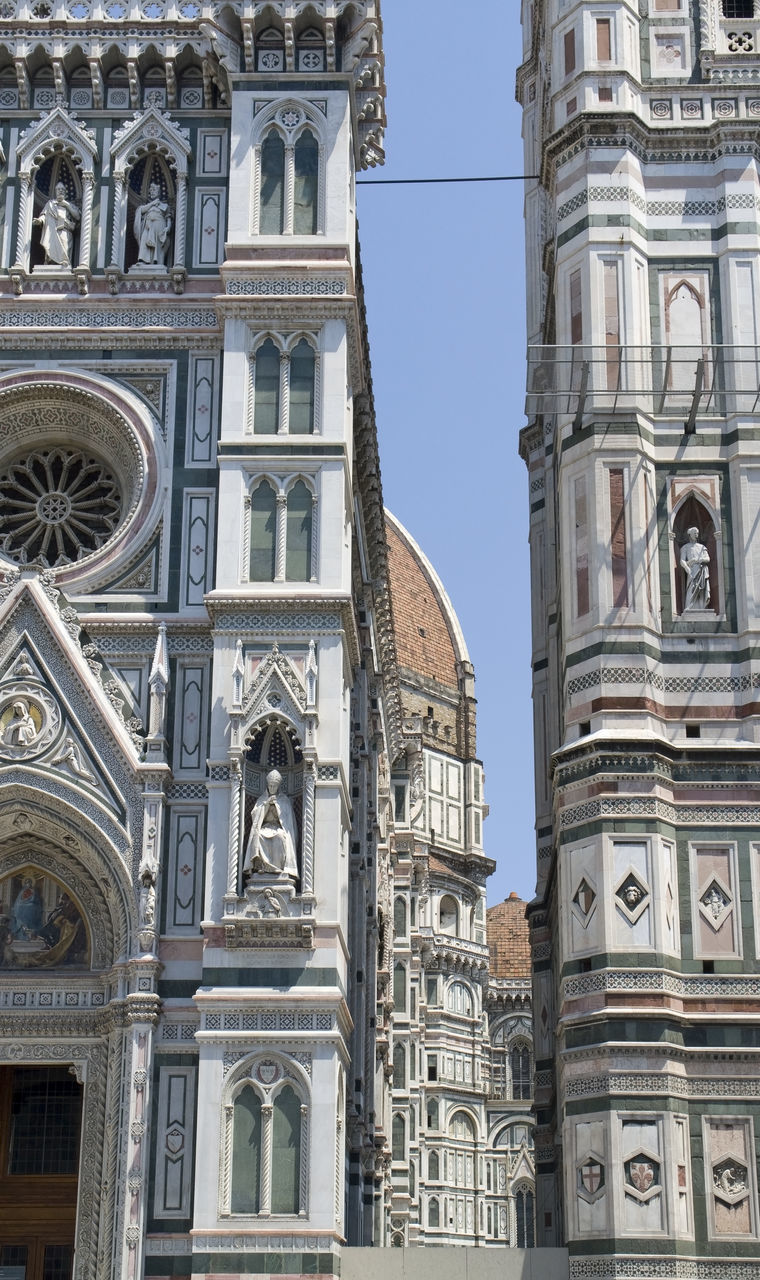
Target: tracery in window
[
  {"x": 288, "y": 166},
  {"x": 266, "y": 1141},
  {"x": 525, "y": 1218},
  {"x": 433, "y": 1212},
  {"x": 56, "y": 506},
  {"x": 520, "y": 1069}
]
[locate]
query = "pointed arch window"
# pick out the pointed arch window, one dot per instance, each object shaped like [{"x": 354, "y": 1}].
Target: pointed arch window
[
  {"x": 266, "y": 416},
  {"x": 525, "y": 1218},
  {"x": 398, "y": 1138},
  {"x": 286, "y": 1151},
  {"x": 272, "y": 199},
  {"x": 434, "y": 1217},
  {"x": 301, "y": 388},
  {"x": 289, "y": 163},
  {"x": 298, "y": 537},
  {"x": 434, "y": 1166},
  {"x": 246, "y": 1152},
  {"x": 266, "y": 1143},
  {"x": 520, "y": 1068},
  {"x": 306, "y": 172},
  {"x": 284, "y": 387},
  {"x": 282, "y": 531},
  {"x": 399, "y": 918},
  {"x": 399, "y": 1067},
  {"x": 263, "y": 561},
  {"x": 399, "y": 988}
]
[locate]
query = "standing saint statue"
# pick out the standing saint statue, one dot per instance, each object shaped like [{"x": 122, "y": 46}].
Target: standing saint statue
[
  {"x": 58, "y": 221},
  {"x": 694, "y": 561},
  {"x": 153, "y": 222},
  {"x": 272, "y": 843}
]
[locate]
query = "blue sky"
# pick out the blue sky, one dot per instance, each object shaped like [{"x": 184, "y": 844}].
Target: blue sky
[{"x": 443, "y": 269}]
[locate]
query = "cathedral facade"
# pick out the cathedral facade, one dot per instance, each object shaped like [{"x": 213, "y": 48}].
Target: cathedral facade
[
  {"x": 643, "y": 252},
  {"x": 247, "y": 1006}
]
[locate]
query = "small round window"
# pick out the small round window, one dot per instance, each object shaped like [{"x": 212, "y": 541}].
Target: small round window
[{"x": 56, "y": 506}]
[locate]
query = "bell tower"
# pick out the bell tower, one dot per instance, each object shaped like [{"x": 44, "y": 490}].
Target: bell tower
[{"x": 643, "y": 254}]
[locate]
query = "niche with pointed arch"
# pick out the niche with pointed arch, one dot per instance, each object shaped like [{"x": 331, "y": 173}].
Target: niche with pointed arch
[
  {"x": 273, "y": 745},
  {"x": 42, "y": 923},
  {"x": 693, "y": 513}
]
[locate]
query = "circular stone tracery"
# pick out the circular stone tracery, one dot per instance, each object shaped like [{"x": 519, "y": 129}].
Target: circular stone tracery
[{"x": 56, "y": 506}]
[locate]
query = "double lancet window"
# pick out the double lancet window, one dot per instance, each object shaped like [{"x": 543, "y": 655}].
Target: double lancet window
[
  {"x": 267, "y": 1141},
  {"x": 288, "y": 175},
  {"x": 285, "y": 375},
  {"x": 283, "y": 530}
]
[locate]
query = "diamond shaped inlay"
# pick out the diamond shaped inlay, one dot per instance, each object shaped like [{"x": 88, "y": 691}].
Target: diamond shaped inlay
[
  {"x": 715, "y": 901},
  {"x": 632, "y": 893}
]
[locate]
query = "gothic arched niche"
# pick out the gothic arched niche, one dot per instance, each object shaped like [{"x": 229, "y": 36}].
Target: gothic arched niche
[
  {"x": 273, "y": 748},
  {"x": 694, "y": 514},
  {"x": 56, "y": 216},
  {"x": 42, "y": 922},
  {"x": 150, "y": 204}
]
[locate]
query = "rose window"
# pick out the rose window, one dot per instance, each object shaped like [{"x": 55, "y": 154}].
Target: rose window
[{"x": 57, "y": 506}]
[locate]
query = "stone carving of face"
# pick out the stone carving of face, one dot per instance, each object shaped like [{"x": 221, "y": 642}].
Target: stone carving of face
[
  {"x": 153, "y": 190},
  {"x": 273, "y": 782}
]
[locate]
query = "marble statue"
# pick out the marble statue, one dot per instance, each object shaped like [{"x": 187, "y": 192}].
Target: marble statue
[
  {"x": 272, "y": 843},
  {"x": 57, "y": 223},
  {"x": 153, "y": 222},
  {"x": 20, "y": 730},
  {"x": 694, "y": 562}
]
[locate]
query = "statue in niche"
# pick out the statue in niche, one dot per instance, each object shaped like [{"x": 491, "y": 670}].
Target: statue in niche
[
  {"x": 57, "y": 223},
  {"x": 273, "y": 840},
  {"x": 694, "y": 561},
  {"x": 152, "y": 225}
]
